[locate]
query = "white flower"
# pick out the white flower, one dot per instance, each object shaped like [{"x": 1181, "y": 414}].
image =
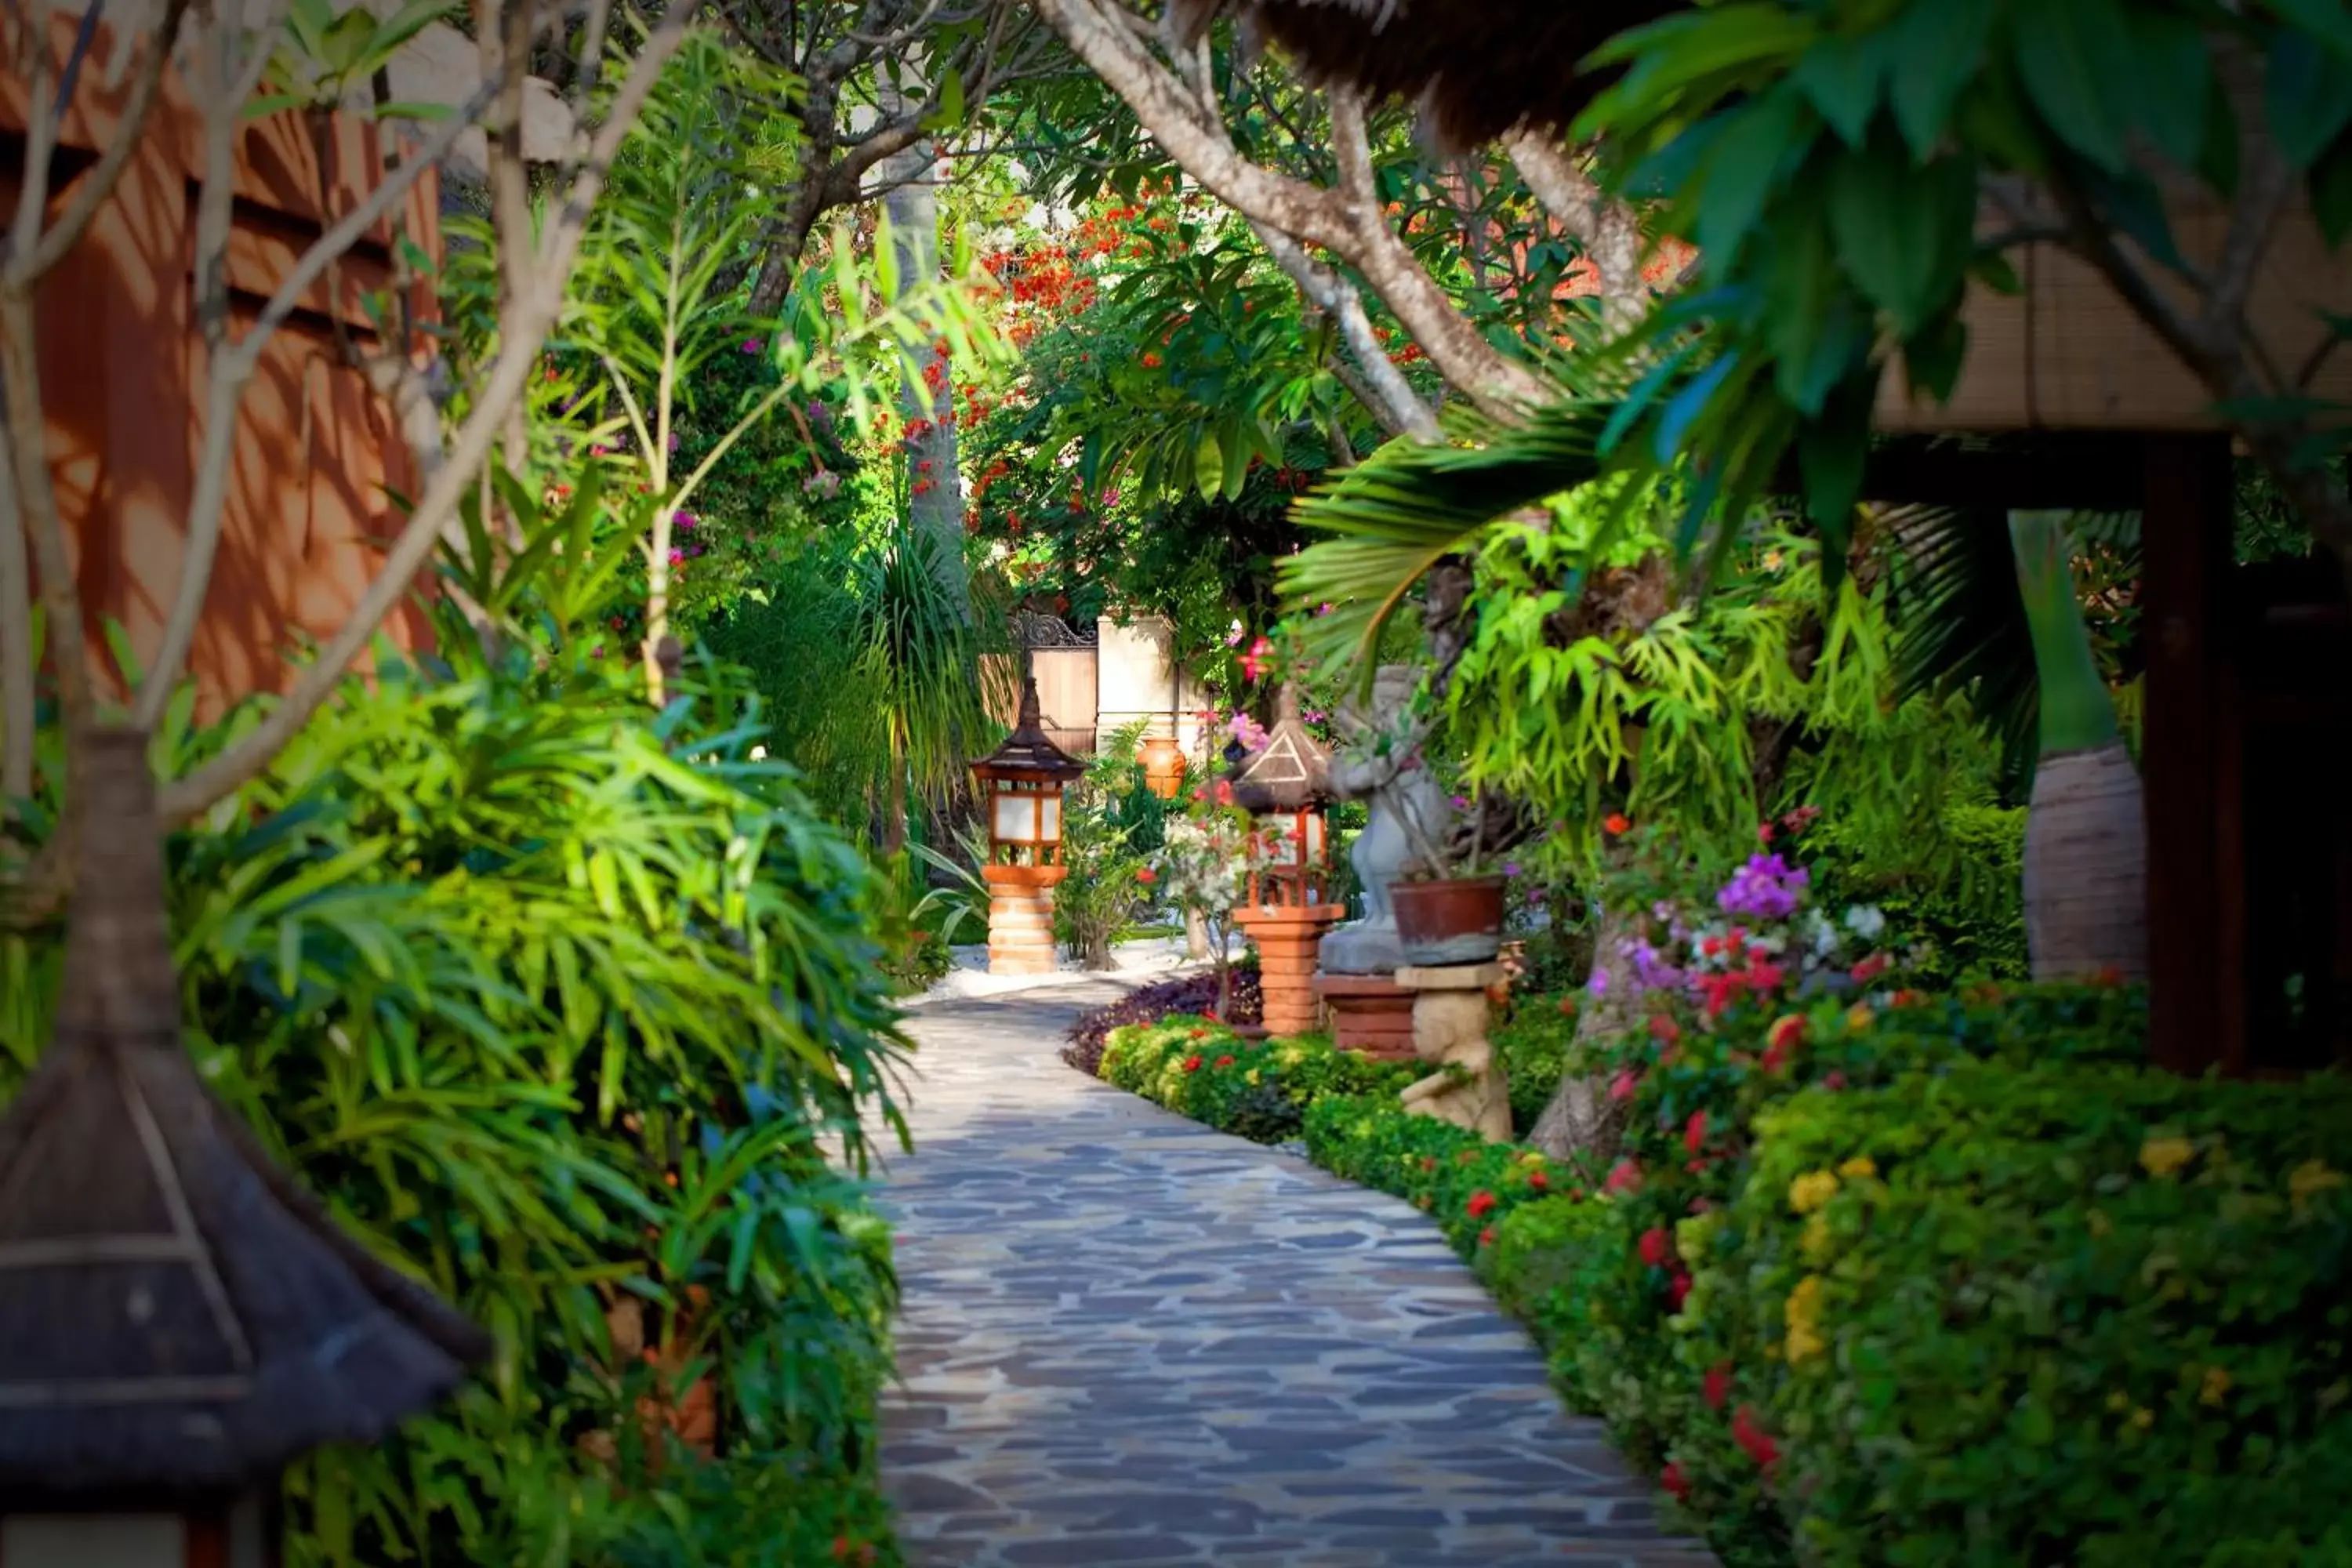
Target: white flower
[{"x": 1866, "y": 921}]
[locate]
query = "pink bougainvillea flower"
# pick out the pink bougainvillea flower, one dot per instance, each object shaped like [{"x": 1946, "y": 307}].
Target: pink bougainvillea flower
[
  {"x": 753, "y": 346},
  {"x": 1718, "y": 1386},
  {"x": 1695, "y": 1131},
  {"x": 1626, "y": 1176},
  {"x": 1656, "y": 1246},
  {"x": 1622, "y": 1087}
]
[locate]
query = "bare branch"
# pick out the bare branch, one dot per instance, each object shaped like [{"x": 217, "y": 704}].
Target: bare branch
[
  {"x": 533, "y": 316},
  {"x": 91, "y": 191},
  {"x": 1379, "y": 385},
  {"x": 17, "y": 684}
]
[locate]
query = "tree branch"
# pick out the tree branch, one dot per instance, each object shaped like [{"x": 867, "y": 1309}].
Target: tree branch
[{"x": 520, "y": 338}]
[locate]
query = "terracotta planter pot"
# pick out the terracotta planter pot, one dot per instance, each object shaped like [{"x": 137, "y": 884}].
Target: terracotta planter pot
[
  {"x": 1458, "y": 920},
  {"x": 1164, "y": 766}
]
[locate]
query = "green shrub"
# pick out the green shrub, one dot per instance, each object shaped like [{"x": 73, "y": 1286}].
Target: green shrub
[
  {"x": 1259, "y": 1089},
  {"x": 1532, "y": 1044},
  {"x": 556, "y": 1002},
  {"x": 2083, "y": 1315},
  {"x": 1467, "y": 1184},
  {"x": 1971, "y": 913}
]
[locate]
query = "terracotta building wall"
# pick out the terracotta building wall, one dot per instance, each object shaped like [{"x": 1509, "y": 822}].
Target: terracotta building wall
[{"x": 316, "y": 456}]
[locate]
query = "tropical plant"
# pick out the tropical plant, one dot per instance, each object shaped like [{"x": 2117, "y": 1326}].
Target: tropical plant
[
  {"x": 1107, "y": 880},
  {"x": 1204, "y": 868}
]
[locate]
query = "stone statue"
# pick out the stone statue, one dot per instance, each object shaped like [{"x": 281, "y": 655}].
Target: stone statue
[{"x": 1400, "y": 789}]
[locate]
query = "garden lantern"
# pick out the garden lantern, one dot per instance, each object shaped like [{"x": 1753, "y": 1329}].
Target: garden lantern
[
  {"x": 1020, "y": 786},
  {"x": 178, "y": 1320},
  {"x": 1284, "y": 786}
]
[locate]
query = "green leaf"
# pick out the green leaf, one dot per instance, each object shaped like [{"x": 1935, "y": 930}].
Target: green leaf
[
  {"x": 1844, "y": 76},
  {"x": 403, "y": 110},
  {"x": 1238, "y": 451},
  {"x": 1761, "y": 147},
  {"x": 1208, "y": 464},
  {"x": 2307, "y": 95},
  {"x": 2176, "y": 70},
  {"x": 2326, "y": 20},
  {"x": 2078, "y": 63},
  {"x": 406, "y": 23},
  {"x": 2331, "y": 192},
  {"x": 1938, "y": 48},
  {"x": 950, "y": 115},
  {"x": 1932, "y": 357},
  {"x": 1902, "y": 233}
]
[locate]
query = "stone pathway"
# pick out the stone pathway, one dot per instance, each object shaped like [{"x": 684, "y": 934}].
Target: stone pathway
[{"x": 1127, "y": 1339}]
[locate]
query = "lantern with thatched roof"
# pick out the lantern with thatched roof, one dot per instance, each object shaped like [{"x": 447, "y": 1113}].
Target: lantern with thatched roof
[
  {"x": 1284, "y": 785},
  {"x": 178, "y": 1320}
]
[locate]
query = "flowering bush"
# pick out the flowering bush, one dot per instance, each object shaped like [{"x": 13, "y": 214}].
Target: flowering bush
[
  {"x": 1195, "y": 994},
  {"x": 1259, "y": 1089},
  {"x": 1205, "y": 864}
]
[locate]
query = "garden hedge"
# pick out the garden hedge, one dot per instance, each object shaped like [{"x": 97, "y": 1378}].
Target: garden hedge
[{"x": 1955, "y": 1281}]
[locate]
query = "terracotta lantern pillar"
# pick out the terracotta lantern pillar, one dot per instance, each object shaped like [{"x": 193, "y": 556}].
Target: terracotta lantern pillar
[
  {"x": 1283, "y": 785},
  {"x": 1021, "y": 787}
]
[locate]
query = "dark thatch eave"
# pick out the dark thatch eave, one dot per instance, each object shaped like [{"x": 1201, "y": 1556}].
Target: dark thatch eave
[
  {"x": 1477, "y": 69},
  {"x": 1290, "y": 771},
  {"x": 1028, "y": 753},
  {"x": 176, "y": 1316}
]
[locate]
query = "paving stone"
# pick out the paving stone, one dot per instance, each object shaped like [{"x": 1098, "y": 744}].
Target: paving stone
[{"x": 1126, "y": 1340}]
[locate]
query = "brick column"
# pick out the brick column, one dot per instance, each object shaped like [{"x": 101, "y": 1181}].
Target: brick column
[
  {"x": 1020, "y": 918},
  {"x": 1288, "y": 941}
]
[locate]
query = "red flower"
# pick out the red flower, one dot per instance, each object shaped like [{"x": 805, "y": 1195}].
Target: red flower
[
  {"x": 1481, "y": 1204},
  {"x": 1622, "y": 1086},
  {"x": 1656, "y": 1246},
  {"x": 1196, "y": 1034},
  {"x": 1905, "y": 999},
  {"x": 1869, "y": 969},
  {"x": 1224, "y": 1061},
  {"x": 1538, "y": 1180},
  {"x": 1617, "y": 822},
  {"x": 1678, "y": 1289},
  {"x": 1752, "y": 1438},
  {"x": 1626, "y": 1176},
  {"x": 1835, "y": 1081},
  {"x": 1664, "y": 1030},
  {"x": 1151, "y": 362},
  {"x": 1487, "y": 1237},
  {"x": 1146, "y": 875},
  {"x": 1718, "y": 1384},
  {"x": 1764, "y": 833},
  {"x": 1192, "y": 1064},
  {"x": 1568, "y": 1006},
  {"x": 1677, "y": 1484},
  {"x": 1695, "y": 1131}
]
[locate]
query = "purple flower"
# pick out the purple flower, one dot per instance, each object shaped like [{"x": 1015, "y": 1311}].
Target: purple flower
[
  {"x": 683, "y": 520},
  {"x": 673, "y": 440},
  {"x": 1510, "y": 868},
  {"x": 1599, "y": 984},
  {"x": 1766, "y": 887},
  {"x": 753, "y": 346},
  {"x": 1461, "y": 803}
]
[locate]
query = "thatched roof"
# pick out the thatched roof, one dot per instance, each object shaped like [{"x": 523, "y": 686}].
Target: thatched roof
[
  {"x": 175, "y": 1315},
  {"x": 1027, "y": 752},
  {"x": 1478, "y": 67},
  {"x": 1290, "y": 770}
]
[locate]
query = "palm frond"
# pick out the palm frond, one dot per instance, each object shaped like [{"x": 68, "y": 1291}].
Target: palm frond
[{"x": 1398, "y": 512}]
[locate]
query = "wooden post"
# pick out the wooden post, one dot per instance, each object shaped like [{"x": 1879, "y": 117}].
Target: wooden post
[{"x": 2190, "y": 758}]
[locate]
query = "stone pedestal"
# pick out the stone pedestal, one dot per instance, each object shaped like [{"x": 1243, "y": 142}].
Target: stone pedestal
[
  {"x": 1465, "y": 1083},
  {"x": 1020, "y": 918},
  {"x": 1287, "y": 941},
  {"x": 1370, "y": 1014}
]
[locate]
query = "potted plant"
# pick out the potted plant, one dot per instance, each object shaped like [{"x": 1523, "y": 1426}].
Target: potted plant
[{"x": 1448, "y": 905}]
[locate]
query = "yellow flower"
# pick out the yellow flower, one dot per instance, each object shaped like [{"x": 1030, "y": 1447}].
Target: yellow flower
[
  {"x": 1816, "y": 1241},
  {"x": 1859, "y": 1017},
  {"x": 1858, "y": 1167},
  {"x": 2143, "y": 1418},
  {"x": 1812, "y": 1190},
  {"x": 2162, "y": 1157},
  {"x": 2217, "y": 1383},
  {"x": 1252, "y": 1077},
  {"x": 2310, "y": 1179},
  {"x": 1804, "y": 1313},
  {"x": 2118, "y": 1401}
]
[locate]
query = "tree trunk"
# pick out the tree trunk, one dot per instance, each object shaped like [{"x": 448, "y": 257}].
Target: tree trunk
[
  {"x": 2085, "y": 880},
  {"x": 2086, "y": 867},
  {"x": 935, "y": 489},
  {"x": 1581, "y": 1119},
  {"x": 1196, "y": 936}
]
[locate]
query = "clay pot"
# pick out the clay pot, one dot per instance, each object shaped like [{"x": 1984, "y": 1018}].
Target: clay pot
[
  {"x": 1457, "y": 920},
  {"x": 1164, "y": 766}
]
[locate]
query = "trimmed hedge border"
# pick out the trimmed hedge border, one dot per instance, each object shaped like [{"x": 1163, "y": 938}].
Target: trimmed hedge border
[{"x": 1956, "y": 1282}]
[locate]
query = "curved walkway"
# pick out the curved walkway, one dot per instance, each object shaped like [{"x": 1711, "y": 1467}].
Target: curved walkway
[{"x": 1127, "y": 1339}]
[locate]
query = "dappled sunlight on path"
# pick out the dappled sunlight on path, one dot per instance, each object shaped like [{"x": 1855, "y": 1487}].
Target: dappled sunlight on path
[{"x": 1129, "y": 1340}]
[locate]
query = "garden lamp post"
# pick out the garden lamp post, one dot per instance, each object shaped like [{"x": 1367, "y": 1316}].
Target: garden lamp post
[
  {"x": 1020, "y": 786},
  {"x": 1283, "y": 785},
  {"x": 178, "y": 1320}
]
